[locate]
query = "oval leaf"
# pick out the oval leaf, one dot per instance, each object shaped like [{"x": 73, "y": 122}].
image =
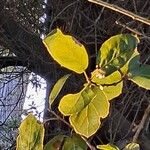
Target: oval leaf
[
  {"x": 87, "y": 107},
  {"x": 132, "y": 146},
  {"x": 107, "y": 147},
  {"x": 31, "y": 134},
  {"x": 67, "y": 51},
  {"x": 57, "y": 88},
  {"x": 115, "y": 52}
]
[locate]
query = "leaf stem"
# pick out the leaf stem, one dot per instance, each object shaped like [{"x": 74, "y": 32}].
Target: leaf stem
[{"x": 86, "y": 77}]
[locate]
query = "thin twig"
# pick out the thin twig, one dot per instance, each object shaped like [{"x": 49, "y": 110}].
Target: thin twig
[
  {"x": 141, "y": 125},
  {"x": 88, "y": 144},
  {"x": 132, "y": 30},
  {"x": 122, "y": 11}
]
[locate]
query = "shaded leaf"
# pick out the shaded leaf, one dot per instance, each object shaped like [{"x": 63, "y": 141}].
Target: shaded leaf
[
  {"x": 56, "y": 143},
  {"x": 107, "y": 147},
  {"x": 57, "y": 88},
  {"x": 140, "y": 75},
  {"x": 67, "y": 51},
  {"x": 31, "y": 134},
  {"x": 63, "y": 142},
  {"x": 133, "y": 61},
  {"x": 115, "y": 52},
  {"x": 85, "y": 109},
  {"x": 74, "y": 143},
  {"x": 132, "y": 146}
]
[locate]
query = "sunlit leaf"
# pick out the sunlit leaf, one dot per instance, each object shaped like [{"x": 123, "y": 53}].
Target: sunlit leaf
[
  {"x": 132, "y": 146},
  {"x": 74, "y": 103},
  {"x": 107, "y": 147},
  {"x": 67, "y": 51},
  {"x": 113, "y": 91},
  {"x": 111, "y": 79},
  {"x": 85, "y": 109},
  {"x": 115, "y": 52},
  {"x": 57, "y": 88},
  {"x": 112, "y": 84},
  {"x": 31, "y": 134}
]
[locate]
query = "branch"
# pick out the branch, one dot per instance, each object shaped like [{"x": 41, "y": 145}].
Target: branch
[
  {"x": 122, "y": 11},
  {"x": 142, "y": 123}
]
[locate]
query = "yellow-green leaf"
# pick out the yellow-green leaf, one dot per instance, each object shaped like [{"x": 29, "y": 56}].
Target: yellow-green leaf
[
  {"x": 67, "y": 51},
  {"x": 111, "y": 79},
  {"x": 57, "y": 88},
  {"x": 31, "y": 134},
  {"x": 115, "y": 52},
  {"x": 132, "y": 146},
  {"x": 107, "y": 147},
  {"x": 112, "y": 84},
  {"x": 85, "y": 109},
  {"x": 74, "y": 103},
  {"x": 113, "y": 91}
]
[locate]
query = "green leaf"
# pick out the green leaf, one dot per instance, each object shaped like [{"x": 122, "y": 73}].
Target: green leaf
[
  {"x": 140, "y": 75},
  {"x": 107, "y": 147},
  {"x": 55, "y": 143},
  {"x": 57, "y": 88},
  {"x": 31, "y": 134},
  {"x": 74, "y": 143},
  {"x": 133, "y": 62},
  {"x": 112, "y": 84},
  {"x": 132, "y": 146},
  {"x": 115, "y": 52},
  {"x": 85, "y": 109},
  {"x": 66, "y": 143},
  {"x": 67, "y": 51}
]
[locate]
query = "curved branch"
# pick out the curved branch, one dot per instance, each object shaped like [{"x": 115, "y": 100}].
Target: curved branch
[{"x": 122, "y": 11}]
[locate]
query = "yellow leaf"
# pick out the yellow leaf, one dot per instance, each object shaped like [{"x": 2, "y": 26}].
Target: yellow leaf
[{"x": 67, "y": 51}]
